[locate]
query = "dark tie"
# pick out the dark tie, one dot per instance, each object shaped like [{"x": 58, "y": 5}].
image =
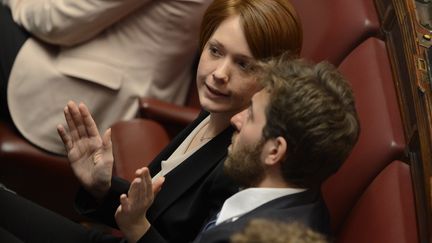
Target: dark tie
[{"x": 210, "y": 224}]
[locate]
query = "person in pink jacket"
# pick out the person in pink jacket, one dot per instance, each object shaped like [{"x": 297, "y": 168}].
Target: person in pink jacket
[{"x": 103, "y": 53}]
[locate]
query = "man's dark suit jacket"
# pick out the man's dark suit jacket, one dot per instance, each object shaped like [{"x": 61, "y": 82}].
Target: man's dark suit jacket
[
  {"x": 305, "y": 207},
  {"x": 191, "y": 192}
]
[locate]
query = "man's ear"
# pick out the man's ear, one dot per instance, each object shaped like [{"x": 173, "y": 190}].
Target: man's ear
[{"x": 275, "y": 150}]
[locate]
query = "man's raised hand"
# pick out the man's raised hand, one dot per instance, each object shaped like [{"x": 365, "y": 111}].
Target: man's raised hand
[
  {"x": 89, "y": 154},
  {"x": 131, "y": 214}
]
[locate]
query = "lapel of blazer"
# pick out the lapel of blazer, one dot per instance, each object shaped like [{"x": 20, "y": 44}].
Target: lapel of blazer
[
  {"x": 286, "y": 202},
  {"x": 155, "y": 165},
  {"x": 223, "y": 231},
  {"x": 189, "y": 171}
]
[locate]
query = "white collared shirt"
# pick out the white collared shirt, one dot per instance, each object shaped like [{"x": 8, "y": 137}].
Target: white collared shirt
[
  {"x": 179, "y": 155},
  {"x": 248, "y": 199}
]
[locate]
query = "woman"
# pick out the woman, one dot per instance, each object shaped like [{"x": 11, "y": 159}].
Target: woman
[{"x": 234, "y": 34}]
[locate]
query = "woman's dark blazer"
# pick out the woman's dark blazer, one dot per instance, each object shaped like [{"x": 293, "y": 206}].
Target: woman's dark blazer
[{"x": 192, "y": 192}]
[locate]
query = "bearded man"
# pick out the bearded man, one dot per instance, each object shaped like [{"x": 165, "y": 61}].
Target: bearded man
[{"x": 297, "y": 131}]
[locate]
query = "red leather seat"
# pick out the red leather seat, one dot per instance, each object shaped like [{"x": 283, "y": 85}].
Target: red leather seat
[
  {"x": 381, "y": 138},
  {"x": 172, "y": 117},
  {"x": 386, "y": 210},
  {"x": 35, "y": 174},
  {"x": 135, "y": 144},
  {"x": 48, "y": 180},
  {"x": 333, "y": 28}
]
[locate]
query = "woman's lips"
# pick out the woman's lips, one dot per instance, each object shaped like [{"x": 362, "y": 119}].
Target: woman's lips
[{"x": 214, "y": 92}]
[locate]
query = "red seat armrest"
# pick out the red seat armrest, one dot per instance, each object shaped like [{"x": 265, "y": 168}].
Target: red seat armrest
[
  {"x": 135, "y": 144},
  {"x": 171, "y": 116}
]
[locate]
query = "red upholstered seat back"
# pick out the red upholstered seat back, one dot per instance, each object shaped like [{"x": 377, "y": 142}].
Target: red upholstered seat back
[
  {"x": 385, "y": 212},
  {"x": 381, "y": 139},
  {"x": 332, "y": 28},
  {"x": 48, "y": 179},
  {"x": 35, "y": 174},
  {"x": 135, "y": 144}
]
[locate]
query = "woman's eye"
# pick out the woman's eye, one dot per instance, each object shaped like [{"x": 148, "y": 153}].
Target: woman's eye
[
  {"x": 214, "y": 51},
  {"x": 244, "y": 65}
]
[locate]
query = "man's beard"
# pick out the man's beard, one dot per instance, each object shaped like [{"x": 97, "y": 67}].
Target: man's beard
[{"x": 244, "y": 164}]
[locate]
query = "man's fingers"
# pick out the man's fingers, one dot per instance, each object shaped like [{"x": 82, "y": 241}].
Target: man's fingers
[
  {"x": 77, "y": 119},
  {"x": 70, "y": 122},
  {"x": 124, "y": 204},
  {"x": 135, "y": 191},
  {"x": 148, "y": 183},
  {"x": 157, "y": 185},
  {"x": 134, "y": 187},
  {"x": 107, "y": 147},
  {"x": 146, "y": 187},
  {"x": 106, "y": 140},
  {"x": 151, "y": 187},
  {"x": 66, "y": 139},
  {"x": 89, "y": 123}
]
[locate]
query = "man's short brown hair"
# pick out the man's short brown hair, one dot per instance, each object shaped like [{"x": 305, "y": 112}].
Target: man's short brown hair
[
  {"x": 312, "y": 107},
  {"x": 272, "y": 231}
]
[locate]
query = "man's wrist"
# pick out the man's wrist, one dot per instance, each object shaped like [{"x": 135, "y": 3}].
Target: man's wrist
[
  {"x": 100, "y": 192},
  {"x": 137, "y": 232}
]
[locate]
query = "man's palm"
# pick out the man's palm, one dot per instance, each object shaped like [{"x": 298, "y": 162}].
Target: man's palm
[{"x": 90, "y": 156}]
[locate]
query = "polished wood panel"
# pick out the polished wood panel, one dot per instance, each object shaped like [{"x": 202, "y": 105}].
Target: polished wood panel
[{"x": 408, "y": 43}]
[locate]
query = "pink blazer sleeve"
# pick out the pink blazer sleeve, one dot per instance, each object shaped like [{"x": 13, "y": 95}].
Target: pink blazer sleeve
[{"x": 70, "y": 22}]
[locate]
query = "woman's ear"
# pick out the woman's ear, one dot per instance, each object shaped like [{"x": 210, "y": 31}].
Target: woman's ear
[{"x": 276, "y": 150}]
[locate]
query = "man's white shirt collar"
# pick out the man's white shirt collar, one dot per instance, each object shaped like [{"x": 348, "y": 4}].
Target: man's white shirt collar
[{"x": 248, "y": 199}]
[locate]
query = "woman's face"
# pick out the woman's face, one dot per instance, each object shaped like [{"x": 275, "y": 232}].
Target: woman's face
[{"x": 225, "y": 80}]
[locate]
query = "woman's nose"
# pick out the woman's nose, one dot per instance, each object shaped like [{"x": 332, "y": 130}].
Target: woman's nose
[{"x": 222, "y": 71}]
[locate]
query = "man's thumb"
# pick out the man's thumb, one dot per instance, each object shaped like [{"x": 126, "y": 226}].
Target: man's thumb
[{"x": 157, "y": 185}]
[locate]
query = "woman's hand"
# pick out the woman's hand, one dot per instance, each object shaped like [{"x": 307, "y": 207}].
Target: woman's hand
[
  {"x": 131, "y": 214},
  {"x": 90, "y": 156}
]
